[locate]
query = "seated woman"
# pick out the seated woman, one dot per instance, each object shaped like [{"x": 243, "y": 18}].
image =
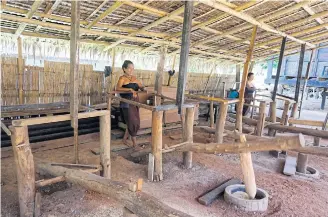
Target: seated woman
[
  {"x": 249, "y": 92},
  {"x": 130, "y": 114}
]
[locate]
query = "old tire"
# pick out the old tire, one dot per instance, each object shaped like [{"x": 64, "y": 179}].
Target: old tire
[
  {"x": 311, "y": 173},
  {"x": 260, "y": 203}
]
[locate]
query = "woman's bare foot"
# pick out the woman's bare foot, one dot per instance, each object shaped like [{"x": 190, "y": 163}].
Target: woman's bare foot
[{"x": 125, "y": 142}]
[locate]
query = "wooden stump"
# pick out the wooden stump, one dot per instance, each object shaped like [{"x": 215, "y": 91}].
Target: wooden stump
[
  {"x": 302, "y": 161},
  {"x": 284, "y": 117},
  {"x": 273, "y": 117},
  {"x": 316, "y": 141},
  {"x": 294, "y": 111},
  {"x": 261, "y": 120},
  {"x": 211, "y": 114},
  {"x": 25, "y": 171},
  {"x": 248, "y": 171},
  {"x": 188, "y": 136},
  {"x": 220, "y": 123},
  {"x": 105, "y": 131},
  {"x": 156, "y": 144}
]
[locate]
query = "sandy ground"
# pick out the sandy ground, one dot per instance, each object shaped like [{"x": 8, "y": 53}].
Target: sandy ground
[{"x": 289, "y": 196}]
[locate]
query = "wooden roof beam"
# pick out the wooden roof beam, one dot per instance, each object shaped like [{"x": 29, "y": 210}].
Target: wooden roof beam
[
  {"x": 110, "y": 10},
  {"x": 97, "y": 9},
  {"x": 311, "y": 12},
  {"x": 107, "y": 34},
  {"x": 155, "y": 23},
  {"x": 252, "y": 21},
  {"x": 49, "y": 9},
  {"x": 34, "y": 7}
]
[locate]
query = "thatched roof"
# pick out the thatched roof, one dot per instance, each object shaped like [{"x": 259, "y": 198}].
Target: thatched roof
[{"x": 221, "y": 29}]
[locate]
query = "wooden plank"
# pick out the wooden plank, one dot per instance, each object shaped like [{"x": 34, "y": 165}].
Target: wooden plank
[
  {"x": 281, "y": 55},
  {"x": 25, "y": 171},
  {"x": 57, "y": 118},
  {"x": 290, "y": 166},
  {"x": 239, "y": 123},
  {"x": 213, "y": 194}
]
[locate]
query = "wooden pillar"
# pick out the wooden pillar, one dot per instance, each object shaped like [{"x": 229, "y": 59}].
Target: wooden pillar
[
  {"x": 156, "y": 144},
  {"x": 281, "y": 56},
  {"x": 105, "y": 140},
  {"x": 74, "y": 72},
  {"x": 299, "y": 73},
  {"x": 284, "y": 116},
  {"x": 159, "y": 73},
  {"x": 273, "y": 117},
  {"x": 248, "y": 171},
  {"x": 302, "y": 161},
  {"x": 261, "y": 120},
  {"x": 25, "y": 171},
  {"x": 20, "y": 66},
  {"x": 237, "y": 76},
  {"x": 111, "y": 75},
  {"x": 294, "y": 111},
  {"x": 220, "y": 123},
  {"x": 211, "y": 114},
  {"x": 307, "y": 75},
  {"x": 188, "y": 136},
  {"x": 185, "y": 42},
  {"x": 239, "y": 124}
]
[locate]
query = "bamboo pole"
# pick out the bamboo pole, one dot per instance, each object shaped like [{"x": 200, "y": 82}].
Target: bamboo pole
[
  {"x": 74, "y": 73},
  {"x": 156, "y": 145},
  {"x": 239, "y": 124},
  {"x": 188, "y": 136},
  {"x": 20, "y": 65},
  {"x": 211, "y": 114},
  {"x": 25, "y": 171},
  {"x": 220, "y": 123},
  {"x": 105, "y": 141}
]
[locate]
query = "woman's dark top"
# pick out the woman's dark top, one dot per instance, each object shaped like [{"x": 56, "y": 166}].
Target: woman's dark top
[{"x": 133, "y": 86}]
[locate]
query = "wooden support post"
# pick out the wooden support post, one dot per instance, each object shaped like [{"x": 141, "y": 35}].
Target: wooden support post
[
  {"x": 237, "y": 76},
  {"x": 261, "y": 120},
  {"x": 299, "y": 73},
  {"x": 37, "y": 206},
  {"x": 25, "y": 171},
  {"x": 307, "y": 75},
  {"x": 302, "y": 161},
  {"x": 159, "y": 74},
  {"x": 184, "y": 53},
  {"x": 188, "y": 136},
  {"x": 239, "y": 124},
  {"x": 220, "y": 123},
  {"x": 105, "y": 137},
  {"x": 248, "y": 171},
  {"x": 284, "y": 116},
  {"x": 156, "y": 144},
  {"x": 294, "y": 111},
  {"x": 211, "y": 114},
  {"x": 273, "y": 117},
  {"x": 281, "y": 56},
  {"x": 74, "y": 73},
  {"x": 110, "y": 87},
  {"x": 20, "y": 66}
]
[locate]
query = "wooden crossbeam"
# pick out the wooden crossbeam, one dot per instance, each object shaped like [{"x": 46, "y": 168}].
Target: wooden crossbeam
[
  {"x": 251, "y": 20},
  {"x": 97, "y": 9},
  {"x": 311, "y": 12},
  {"x": 50, "y": 8},
  {"x": 29, "y": 15}
]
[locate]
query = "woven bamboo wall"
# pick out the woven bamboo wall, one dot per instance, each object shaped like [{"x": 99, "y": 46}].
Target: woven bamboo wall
[{"x": 51, "y": 83}]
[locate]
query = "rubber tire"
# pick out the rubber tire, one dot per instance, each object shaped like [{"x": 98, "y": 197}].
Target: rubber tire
[
  {"x": 314, "y": 173},
  {"x": 247, "y": 204}
]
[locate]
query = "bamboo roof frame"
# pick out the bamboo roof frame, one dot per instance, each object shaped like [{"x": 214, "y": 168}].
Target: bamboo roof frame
[{"x": 47, "y": 17}]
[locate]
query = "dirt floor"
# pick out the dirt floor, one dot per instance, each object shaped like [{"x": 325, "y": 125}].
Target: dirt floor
[{"x": 289, "y": 196}]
